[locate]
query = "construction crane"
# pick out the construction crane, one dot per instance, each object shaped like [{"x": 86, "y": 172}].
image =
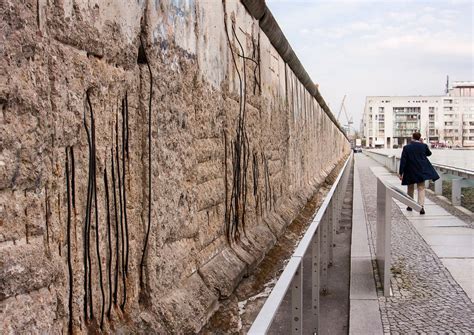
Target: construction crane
[{"x": 348, "y": 119}]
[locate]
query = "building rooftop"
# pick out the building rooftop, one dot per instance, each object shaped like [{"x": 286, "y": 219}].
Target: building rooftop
[{"x": 463, "y": 84}]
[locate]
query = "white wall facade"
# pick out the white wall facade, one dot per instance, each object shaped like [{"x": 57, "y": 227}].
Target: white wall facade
[
  {"x": 389, "y": 121},
  {"x": 458, "y": 115}
]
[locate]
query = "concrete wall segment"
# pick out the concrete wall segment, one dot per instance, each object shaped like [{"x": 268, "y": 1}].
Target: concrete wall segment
[
  {"x": 58, "y": 56},
  {"x": 255, "y": 7}
]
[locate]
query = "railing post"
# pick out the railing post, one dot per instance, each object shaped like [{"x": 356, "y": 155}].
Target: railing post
[
  {"x": 335, "y": 223},
  {"x": 324, "y": 253},
  {"x": 331, "y": 223},
  {"x": 297, "y": 301},
  {"x": 456, "y": 192},
  {"x": 439, "y": 184},
  {"x": 340, "y": 200},
  {"x": 315, "y": 287},
  {"x": 388, "y": 247},
  {"x": 383, "y": 253}
]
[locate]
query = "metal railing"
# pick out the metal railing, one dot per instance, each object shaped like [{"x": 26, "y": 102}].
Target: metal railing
[
  {"x": 316, "y": 243},
  {"x": 460, "y": 175},
  {"x": 385, "y": 194}
]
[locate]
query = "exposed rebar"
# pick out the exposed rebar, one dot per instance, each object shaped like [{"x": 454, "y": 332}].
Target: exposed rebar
[
  {"x": 68, "y": 234},
  {"x": 96, "y": 212},
  {"x": 109, "y": 239},
  {"x": 145, "y": 244}
]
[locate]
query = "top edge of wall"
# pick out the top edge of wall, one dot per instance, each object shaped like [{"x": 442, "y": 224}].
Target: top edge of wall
[{"x": 259, "y": 10}]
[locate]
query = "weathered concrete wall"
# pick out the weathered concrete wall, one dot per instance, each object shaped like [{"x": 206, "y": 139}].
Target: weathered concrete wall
[{"x": 91, "y": 92}]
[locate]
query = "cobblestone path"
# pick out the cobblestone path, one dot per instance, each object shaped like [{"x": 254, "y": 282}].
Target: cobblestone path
[{"x": 426, "y": 299}]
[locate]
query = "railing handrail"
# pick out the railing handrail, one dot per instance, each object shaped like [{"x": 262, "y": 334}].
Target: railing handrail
[
  {"x": 461, "y": 172},
  {"x": 385, "y": 194},
  {"x": 306, "y": 240},
  {"x": 267, "y": 313},
  {"x": 453, "y": 168}
]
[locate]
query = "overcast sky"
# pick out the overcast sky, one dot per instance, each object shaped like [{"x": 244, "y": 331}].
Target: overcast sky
[{"x": 362, "y": 48}]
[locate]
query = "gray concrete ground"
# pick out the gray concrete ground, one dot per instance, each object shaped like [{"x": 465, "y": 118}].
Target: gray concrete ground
[
  {"x": 426, "y": 298},
  {"x": 364, "y": 304}
]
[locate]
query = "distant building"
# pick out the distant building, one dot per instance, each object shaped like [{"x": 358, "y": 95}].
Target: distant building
[{"x": 389, "y": 121}]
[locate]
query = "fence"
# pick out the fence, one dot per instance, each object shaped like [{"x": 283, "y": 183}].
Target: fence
[
  {"x": 317, "y": 243},
  {"x": 460, "y": 176},
  {"x": 385, "y": 194}
]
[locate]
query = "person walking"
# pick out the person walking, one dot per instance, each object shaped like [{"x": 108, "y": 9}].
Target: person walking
[{"x": 415, "y": 168}]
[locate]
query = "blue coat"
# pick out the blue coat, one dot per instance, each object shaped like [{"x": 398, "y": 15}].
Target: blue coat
[{"x": 414, "y": 164}]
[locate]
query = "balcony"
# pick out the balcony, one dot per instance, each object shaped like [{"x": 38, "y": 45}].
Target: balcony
[{"x": 403, "y": 133}]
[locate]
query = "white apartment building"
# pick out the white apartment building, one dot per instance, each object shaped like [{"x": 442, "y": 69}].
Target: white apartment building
[{"x": 390, "y": 121}]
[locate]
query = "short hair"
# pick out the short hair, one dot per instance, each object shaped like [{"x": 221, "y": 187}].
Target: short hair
[{"x": 416, "y": 136}]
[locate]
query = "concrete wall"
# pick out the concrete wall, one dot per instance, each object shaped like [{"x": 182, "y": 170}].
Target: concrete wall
[{"x": 236, "y": 147}]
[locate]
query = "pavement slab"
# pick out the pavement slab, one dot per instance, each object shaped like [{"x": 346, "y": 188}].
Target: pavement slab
[
  {"x": 437, "y": 222},
  {"x": 362, "y": 313},
  {"x": 463, "y": 271},
  {"x": 364, "y": 308}
]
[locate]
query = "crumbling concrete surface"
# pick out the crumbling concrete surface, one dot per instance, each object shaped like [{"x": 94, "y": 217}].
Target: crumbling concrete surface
[{"x": 151, "y": 152}]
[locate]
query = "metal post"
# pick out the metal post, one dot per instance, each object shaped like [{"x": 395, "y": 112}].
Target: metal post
[
  {"x": 339, "y": 198},
  {"x": 297, "y": 302},
  {"x": 334, "y": 212},
  {"x": 388, "y": 248},
  {"x": 324, "y": 254},
  {"x": 384, "y": 208},
  {"x": 315, "y": 287},
  {"x": 439, "y": 184},
  {"x": 331, "y": 223},
  {"x": 456, "y": 192}
]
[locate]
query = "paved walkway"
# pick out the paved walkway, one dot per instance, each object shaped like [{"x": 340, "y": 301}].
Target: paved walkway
[{"x": 432, "y": 266}]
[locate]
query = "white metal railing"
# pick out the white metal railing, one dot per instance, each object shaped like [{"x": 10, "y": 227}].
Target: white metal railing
[
  {"x": 317, "y": 243},
  {"x": 385, "y": 194},
  {"x": 460, "y": 175}
]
